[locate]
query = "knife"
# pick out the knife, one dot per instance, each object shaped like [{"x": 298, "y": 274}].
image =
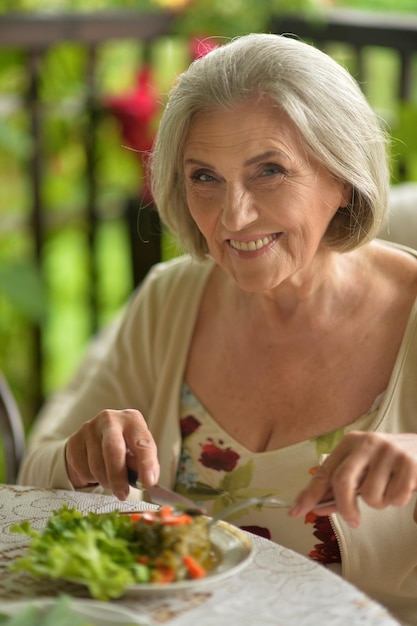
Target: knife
[{"x": 162, "y": 496}]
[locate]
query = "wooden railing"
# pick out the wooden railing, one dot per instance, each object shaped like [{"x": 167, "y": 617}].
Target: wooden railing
[
  {"x": 361, "y": 29},
  {"x": 35, "y": 35}
]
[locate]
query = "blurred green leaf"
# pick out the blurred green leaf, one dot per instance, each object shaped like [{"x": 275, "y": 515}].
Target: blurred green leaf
[
  {"x": 220, "y": 18},
  {"x": 13, "y": 140},
  {"x": 379, "y": 5},
  {"x": 405, "y": 131},
  {"x": 20, "y": 283},
  {"x": 25, "y": 6},
  {"x": 404, "y": 143}
]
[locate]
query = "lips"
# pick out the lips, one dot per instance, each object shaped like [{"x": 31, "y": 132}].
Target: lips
[{"x": 253, "y": 244}]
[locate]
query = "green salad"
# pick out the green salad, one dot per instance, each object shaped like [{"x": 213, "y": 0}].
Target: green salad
[
  {"x": 60, "y": 614},
  {"x": 109, "y": 552}
]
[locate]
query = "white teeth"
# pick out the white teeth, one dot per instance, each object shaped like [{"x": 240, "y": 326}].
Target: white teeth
[{"x": 247, "y": 246}]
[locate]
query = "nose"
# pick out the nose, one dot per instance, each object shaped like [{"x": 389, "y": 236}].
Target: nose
[{"x": 239, "y": 210}]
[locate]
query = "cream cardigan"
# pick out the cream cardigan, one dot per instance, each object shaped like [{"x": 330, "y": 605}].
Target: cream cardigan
[{"x": 141, "y": 365}]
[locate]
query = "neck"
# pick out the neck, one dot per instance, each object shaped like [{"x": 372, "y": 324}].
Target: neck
[{"x": 311, "y": 297}]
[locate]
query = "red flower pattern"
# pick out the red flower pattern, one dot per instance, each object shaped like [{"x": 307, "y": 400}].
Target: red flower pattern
[
  {"x": 219, "y": 459},
  {"x": 328, "y": 550},
  {"x": 189, "y": 425},
  {"x": 257, "y": 530}
]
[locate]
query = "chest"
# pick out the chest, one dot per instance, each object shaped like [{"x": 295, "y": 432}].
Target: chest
[
  {"x": 272, "y": 380},
  {"x": 272, "y": 396}
]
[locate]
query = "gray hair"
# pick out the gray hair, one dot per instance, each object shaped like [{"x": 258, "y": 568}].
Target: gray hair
[{"x": 336, "y": 124}]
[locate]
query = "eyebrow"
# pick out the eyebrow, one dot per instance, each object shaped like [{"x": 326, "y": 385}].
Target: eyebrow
[
  {"x": 259, "y": 157},
  {"x": 265, "y": 155},
  {"x": 196, "y": 162}
]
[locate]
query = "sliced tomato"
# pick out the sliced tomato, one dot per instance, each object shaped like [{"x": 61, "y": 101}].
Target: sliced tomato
[
  {"x": 165, "y": 515},
  {"x": 169, "y": 517}
]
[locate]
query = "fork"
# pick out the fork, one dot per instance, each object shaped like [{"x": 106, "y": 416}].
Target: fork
[
  {"x": 160, "y": 495},
  {"x": 249, "y": 502}
]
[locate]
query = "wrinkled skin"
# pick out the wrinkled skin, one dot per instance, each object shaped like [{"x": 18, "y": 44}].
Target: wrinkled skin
[
  {"x": 99, "y": 451},
  {"x": 381, "y": 467}
]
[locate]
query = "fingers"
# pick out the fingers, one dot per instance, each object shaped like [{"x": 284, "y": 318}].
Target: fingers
[
  {"x": 317, "y": 490},
  {"x": 400, "y": 487},
  {"x": 76, "y": 457},
  {"x": 97, "y": 452},
  {"x": 382, "y": 467},
  {"x": 142, "y": 458},
  {"x": 338, "y": 477},
  {"x": 391, "y": 476}
]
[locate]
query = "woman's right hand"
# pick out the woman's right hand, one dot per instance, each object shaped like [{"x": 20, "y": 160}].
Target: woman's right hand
[{"x": 98, "y": 452}]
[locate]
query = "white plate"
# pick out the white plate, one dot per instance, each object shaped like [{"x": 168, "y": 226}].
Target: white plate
[
  {"x": 234, "y": 551},
  {"x": 97, "y": 613}
]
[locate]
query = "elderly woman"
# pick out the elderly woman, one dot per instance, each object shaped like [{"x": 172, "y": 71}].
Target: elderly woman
[{"x": 280, "y": 355}]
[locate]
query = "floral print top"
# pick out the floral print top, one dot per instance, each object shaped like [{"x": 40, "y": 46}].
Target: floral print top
[{"x": 215, "y": 470}]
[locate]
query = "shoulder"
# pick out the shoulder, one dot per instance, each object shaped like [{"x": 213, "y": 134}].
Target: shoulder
[
  {"x": 394, "y": 255},
  {"x": 162, "y": 310},
  {"x": 170, "y": 289},
  {"x": 181, "y": 274},
  {"x": 394, "y": 265},
  {"x": 177, "y": 268}
]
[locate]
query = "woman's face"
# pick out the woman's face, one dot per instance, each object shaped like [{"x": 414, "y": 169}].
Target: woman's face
[{"x": 261, "y": 204}]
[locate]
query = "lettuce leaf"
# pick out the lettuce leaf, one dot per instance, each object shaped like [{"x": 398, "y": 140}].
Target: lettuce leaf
[
  {"x": 58, "y": 614},
  {"x": 96, "y": 550}
]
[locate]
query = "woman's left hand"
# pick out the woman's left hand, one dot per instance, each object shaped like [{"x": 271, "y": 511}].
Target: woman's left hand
[{"x": 381, "y": 467}]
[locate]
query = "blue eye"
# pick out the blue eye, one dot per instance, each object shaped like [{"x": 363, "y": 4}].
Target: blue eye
[
  {"x": 202, "y": 177},
  {"x": 270, "y": 169}
]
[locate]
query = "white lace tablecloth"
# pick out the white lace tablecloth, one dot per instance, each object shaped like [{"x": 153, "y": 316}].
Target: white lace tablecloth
[{"x": 277, "y": 588}]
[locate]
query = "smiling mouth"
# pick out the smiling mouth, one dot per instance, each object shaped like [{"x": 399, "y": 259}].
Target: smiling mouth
[{"x": 255, "y": 244}]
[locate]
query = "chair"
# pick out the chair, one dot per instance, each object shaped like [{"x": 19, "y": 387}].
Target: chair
[
  {"x": 400, "y": 225},
  {"x": 11, "y": 431}
]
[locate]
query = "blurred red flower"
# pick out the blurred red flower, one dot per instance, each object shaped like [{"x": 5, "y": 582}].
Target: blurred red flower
[
  {"x": 136, "y": 112},
  {"x": 200, "y": 46}
]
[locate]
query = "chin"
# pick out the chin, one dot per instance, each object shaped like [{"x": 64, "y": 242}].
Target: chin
[{"x": 255, "y": 285}]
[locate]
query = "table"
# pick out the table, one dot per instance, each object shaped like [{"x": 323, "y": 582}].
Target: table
[{"x": 277, "y": 588}]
